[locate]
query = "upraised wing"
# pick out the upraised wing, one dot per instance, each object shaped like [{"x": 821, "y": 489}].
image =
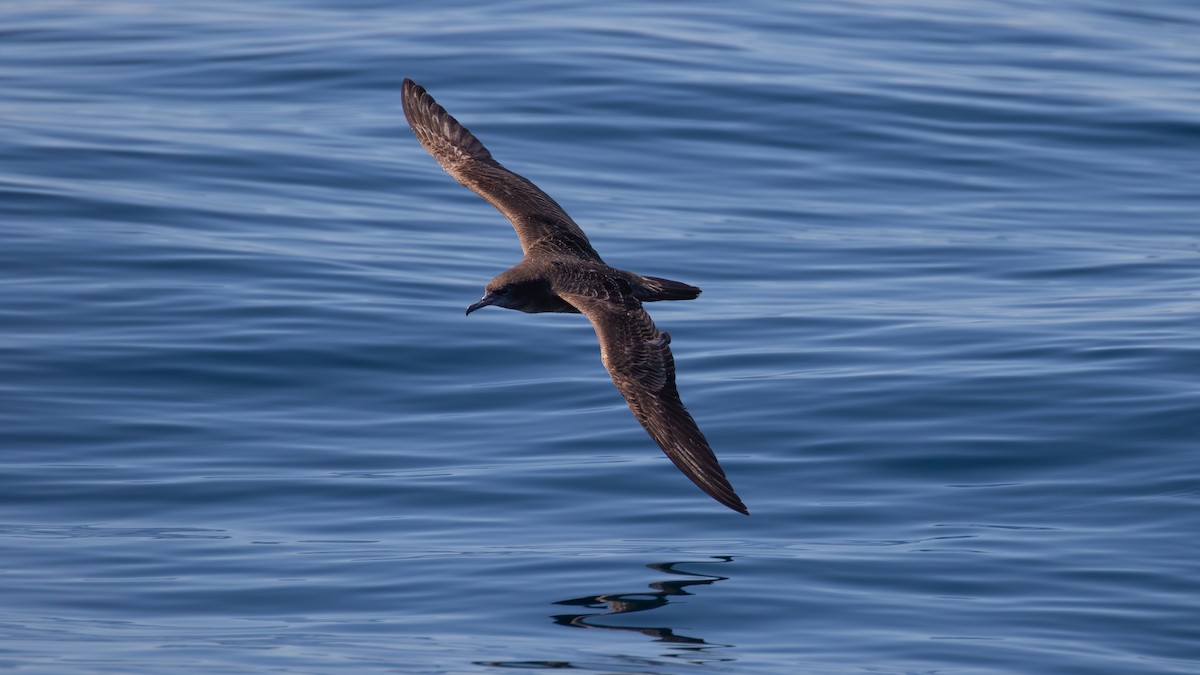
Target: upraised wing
[
  {"x": 640, "y": 363},
  {"x": 539, "y": 221}
]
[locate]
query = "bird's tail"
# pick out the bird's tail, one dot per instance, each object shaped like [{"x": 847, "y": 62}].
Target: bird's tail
[{"x": 657, "y": 288}]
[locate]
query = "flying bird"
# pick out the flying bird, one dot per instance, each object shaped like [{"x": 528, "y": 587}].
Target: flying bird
[{"x": 561, "y": 272}]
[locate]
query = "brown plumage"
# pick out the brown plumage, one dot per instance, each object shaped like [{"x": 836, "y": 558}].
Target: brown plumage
[{"x": 561, "y": 272}]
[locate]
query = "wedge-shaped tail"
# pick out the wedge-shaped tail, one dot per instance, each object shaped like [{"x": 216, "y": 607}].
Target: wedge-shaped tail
[{"x": 658, "y": 288}]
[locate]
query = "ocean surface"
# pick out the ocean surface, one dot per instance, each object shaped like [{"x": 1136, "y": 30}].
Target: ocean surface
[{"x": 948, "y": 349}]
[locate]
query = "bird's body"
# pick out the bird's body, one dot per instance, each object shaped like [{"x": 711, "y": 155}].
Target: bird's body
[{"x": 561, "y": 272}]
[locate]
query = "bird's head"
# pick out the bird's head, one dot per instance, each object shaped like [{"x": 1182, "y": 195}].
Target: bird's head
[
  {"x": 511, "y": 290},
  {"x": 495, "y": 294}
]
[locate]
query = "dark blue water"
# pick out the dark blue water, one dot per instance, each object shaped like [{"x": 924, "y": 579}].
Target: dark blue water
[{"x": 947, "y": 349}]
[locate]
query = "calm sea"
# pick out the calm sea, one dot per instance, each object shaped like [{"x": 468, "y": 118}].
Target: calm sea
[{"x": 947, "y": 349}]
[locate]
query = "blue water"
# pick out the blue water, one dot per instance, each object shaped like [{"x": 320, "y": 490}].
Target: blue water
[{"x": 947, "y": 348}]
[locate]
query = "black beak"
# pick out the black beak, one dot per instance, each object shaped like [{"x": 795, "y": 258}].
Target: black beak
[{"x": 483, "y": 302}]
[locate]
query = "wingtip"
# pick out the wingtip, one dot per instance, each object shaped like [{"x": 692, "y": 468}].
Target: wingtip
[
  {"x": 440, "y": 134},
  {"x": 732, "y": 501},
  {"x": 410, "y": 93},
  {"x": 717, "y": 486},
  {"x": 414, "y": 99}
]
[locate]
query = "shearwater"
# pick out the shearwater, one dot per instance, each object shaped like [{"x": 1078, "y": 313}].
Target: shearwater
[{"x": 561, "y": 272}]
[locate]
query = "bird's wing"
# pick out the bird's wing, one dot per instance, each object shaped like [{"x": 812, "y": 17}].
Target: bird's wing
[
  {"x": 539, "y": 221},
  {"x": 639, "y": 360}
]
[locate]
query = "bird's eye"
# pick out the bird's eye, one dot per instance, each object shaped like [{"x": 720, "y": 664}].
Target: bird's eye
[{"x": 503, "y": 290}]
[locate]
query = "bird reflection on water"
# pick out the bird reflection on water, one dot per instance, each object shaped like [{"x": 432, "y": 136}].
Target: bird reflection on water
[{"x": 691, "y": 649}]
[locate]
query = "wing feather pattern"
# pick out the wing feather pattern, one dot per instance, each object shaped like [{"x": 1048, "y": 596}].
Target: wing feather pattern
[
  {"x": 539, "y": 221},
  {"x": 639, "y": 360}
]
